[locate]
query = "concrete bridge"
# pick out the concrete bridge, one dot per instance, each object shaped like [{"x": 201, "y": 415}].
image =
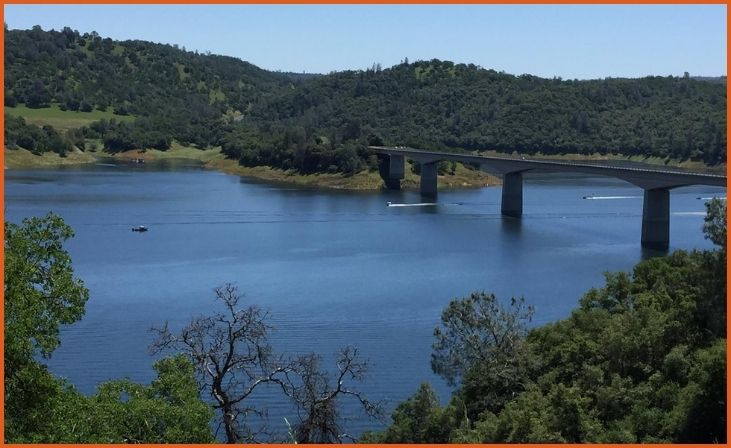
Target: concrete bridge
[{"x": 656, "y": 183}]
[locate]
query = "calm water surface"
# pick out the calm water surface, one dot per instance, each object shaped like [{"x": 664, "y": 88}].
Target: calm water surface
[{"x": 332, "y": 268}]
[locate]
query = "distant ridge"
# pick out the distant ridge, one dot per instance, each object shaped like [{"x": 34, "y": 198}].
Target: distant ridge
[
  {"x": 323, "y": 123},
  {"x": 714, "y": 79}
]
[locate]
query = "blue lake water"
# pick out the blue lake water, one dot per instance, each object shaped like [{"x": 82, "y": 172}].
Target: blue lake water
[{"x": 332, "y": 268}]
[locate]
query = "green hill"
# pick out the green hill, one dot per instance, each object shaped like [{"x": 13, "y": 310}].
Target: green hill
[
  {"x": 322, "y": 123},
  {"x": 438, "y": 104}
]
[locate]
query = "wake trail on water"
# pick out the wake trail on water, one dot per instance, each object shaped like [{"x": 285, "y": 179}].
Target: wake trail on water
[
  {"x": 610, "y": 197},
  {"x": 427, "y": 204},
  {"x": 419, "y": 204}
]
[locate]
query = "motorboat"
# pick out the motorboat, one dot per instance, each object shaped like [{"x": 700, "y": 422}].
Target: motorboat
[{"x": 139, "y": 229}]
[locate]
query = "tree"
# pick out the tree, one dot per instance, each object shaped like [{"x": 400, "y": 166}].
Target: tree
[
  {"x": 317, "y": 399},
  {"x": 232, "y": 356},
  {"x": 41, "y": 294},
  {"x": 413, "y": 419},
  {"x": 482, "y": 343},
  {"x": 168, "y": 410},
  {"x": 715, "y": 222},
  {"x": 479, "y": 329},
  {"x": 38, "y": 96},
  {"x": 420, "y": 419}
]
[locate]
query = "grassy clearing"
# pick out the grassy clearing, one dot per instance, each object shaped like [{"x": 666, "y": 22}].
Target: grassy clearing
[
  {"x": 361, "y": 181},
  {"x": 62, "y": 119},
  {"x": 24, "y": 159},
  {"x": 176, "y": 151},
  {"x": 364, "y": 180},
  {"x": 463, "y": 177}
]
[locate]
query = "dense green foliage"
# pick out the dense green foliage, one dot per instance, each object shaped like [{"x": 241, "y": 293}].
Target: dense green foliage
[
  {"x": 19, "y": 134},
  {"x": 168, "y": 410},
  {"x": 40, "y": 289},
  {"x": 437, "y": 104},
  {"x": 642, "y": 359},
  {"x": 41, "y": 294},
  {"x": 185, "y": 92},
  {"x": 323, "y": 123}
]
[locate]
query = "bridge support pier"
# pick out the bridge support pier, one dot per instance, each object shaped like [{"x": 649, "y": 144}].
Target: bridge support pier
[
  {"x": 428, "y": 182},
  {"x": 656, "y": 219},
  {"x": 394, "y": 171},
  {"x": 512, "y": 201}
]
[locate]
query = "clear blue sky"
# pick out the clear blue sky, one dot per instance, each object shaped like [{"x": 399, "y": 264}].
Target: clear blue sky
[{"x": 571, "y": 41}]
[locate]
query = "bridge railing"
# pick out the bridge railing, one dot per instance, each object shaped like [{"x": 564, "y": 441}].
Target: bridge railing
[
  {"x": 622, "y": 163},
  {"x": 605, "y": 163}
]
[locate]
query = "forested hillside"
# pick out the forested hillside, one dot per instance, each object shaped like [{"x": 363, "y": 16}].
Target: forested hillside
[
  {"x": 179, "y": 94},
  {"x": 314, "y": 123},
  {"x": 437, "y": 103}
]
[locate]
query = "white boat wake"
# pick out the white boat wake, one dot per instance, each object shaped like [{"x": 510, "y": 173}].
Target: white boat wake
[
  {"x": 611, "y": 197},
  {"x": 420, "y": 204}
]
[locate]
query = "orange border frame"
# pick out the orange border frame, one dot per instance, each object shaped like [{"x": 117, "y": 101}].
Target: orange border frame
[{"x": 351, "y": 2}]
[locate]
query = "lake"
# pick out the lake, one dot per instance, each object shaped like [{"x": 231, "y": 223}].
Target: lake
[{"x": 332, "y": 268}]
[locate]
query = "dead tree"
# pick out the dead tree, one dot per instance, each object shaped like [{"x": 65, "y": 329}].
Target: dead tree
[
  {"x": 317, "y": 398},
  {"x": 233, "y": 357}
]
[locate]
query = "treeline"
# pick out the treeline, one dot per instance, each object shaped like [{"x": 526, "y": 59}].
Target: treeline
[
  {"x": 314, "y": 123},
  {"x": 186, "y": 93},
  {"x": 116, "y": 136},
  {"x": 123, "y": 136},
  {"x": 641, "y": 360},
  {"x": 19, "y": 134},
  {"x": 438, "y": 104},
  {"x": 130, "y": 77},
  {"x": 293, "y": 147}
]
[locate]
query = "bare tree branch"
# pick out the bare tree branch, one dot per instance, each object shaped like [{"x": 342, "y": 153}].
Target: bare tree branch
[
  {"x": 316, "y": 397},
  {"x": 233, "y": 357}
]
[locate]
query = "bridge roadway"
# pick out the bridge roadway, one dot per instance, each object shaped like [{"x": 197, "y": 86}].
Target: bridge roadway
[{"x": 656, "y": 183}]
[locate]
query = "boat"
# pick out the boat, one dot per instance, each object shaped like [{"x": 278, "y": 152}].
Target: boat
[{"x": 139, "y": 229}]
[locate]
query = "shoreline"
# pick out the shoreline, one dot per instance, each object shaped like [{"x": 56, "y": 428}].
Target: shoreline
[{"x": 463, "y": 178}]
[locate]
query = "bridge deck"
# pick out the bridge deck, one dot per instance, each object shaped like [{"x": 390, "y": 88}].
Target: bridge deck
[
  {"x": 648, "y": 178},
  {"x": 655, "y": 182}
]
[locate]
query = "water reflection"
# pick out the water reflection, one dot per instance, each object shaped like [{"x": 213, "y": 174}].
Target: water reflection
[
  {"x": 647, "y": 253},
  {"x": 511, "y": 227}
]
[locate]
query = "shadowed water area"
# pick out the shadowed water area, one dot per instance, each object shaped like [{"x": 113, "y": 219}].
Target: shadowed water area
[{"x": 332, "y": 268}]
